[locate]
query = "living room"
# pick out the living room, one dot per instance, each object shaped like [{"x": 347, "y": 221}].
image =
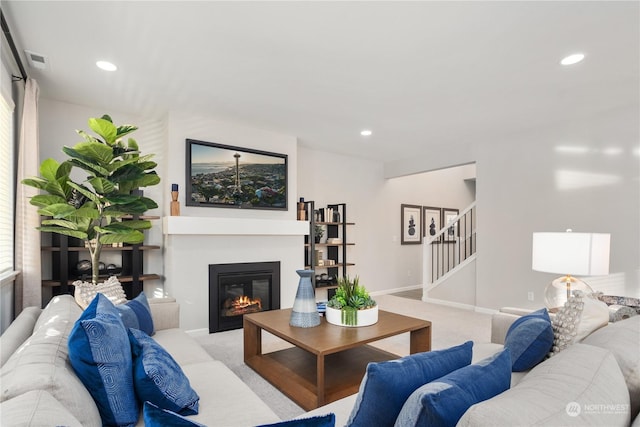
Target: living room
[
  {"x": 466, "y": 102},
  {"x": 577, "y": 170}
]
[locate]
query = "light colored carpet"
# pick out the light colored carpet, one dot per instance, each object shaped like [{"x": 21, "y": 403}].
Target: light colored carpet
[{"x": 450, "y": 326}]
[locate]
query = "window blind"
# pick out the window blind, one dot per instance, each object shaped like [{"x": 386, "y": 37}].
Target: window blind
[{"x": 7, "y": 186}]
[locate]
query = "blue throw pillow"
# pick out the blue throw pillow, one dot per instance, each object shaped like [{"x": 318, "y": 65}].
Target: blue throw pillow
[
  {"x": 529, "y": 339},
  {"x": 100, "y": 354},
  {"x": 387, "y": 385},
  {"x": 441, "y": 403},
  {"x": 136, "y": 314},
  {"x": 158, "y": 378},
  {"x": 158, "y": 417},
  {"x": 328, "y": 420}
]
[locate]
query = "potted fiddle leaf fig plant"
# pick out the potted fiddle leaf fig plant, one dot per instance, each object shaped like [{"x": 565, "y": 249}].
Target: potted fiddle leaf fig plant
[
  {"x": 351, "y": 305},
  {"x": 92, "y": 209}
]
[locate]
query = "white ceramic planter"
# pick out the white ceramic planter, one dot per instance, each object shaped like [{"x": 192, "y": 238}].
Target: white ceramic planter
[{"x": 363, "y": 317}]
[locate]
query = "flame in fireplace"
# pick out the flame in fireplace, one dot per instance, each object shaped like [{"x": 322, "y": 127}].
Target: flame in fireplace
[{"x": 241, "y": 305}]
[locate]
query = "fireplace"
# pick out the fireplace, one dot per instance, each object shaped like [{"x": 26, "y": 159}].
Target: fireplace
[{"x": 241, "y": 288}]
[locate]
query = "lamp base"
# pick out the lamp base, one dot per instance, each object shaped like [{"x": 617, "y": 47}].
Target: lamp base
[{"x": 561, "y": 289}]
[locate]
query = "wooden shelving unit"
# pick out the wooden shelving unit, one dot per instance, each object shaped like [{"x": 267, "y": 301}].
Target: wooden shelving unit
[
  {"x": 65, "y": 253},
  {"x": 336, "y": 252}
]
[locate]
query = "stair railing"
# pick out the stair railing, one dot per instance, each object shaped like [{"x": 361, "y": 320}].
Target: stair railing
[{"x": 450, "y": 246}]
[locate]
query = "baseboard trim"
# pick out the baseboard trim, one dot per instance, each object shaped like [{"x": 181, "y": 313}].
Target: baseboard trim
[
  {"x": 394, "y": 290},
  {"x": 460, "y": 305}
]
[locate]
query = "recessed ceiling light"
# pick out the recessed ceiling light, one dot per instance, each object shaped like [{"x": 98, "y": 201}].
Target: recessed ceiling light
[
  {"x": 106, "y": 65},
  {"x": 572, "y": 59},
  {"x": 366, "y": 132}
]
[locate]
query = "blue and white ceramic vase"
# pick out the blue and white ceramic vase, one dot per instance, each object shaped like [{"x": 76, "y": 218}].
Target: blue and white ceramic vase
[{"x": 305, "y": 311}]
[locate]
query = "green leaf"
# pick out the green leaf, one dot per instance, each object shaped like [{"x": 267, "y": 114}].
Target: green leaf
[
  {"x": 86, "y": 136},
  {"x": 105, "y": 129},
  {"x": 62, "y": 223},
  {"x": 35, "y": 182},
  {"x": 60, "y": 230},
  {"x": 64, "y": 170},
  {"x": 101, "y": 185},
  {"x": 115, "y": 212},
  {"x": 133, "y": 237},
  {"x": 86, "y": 192},
  {"x": 43, "y": 200},
  {"x": 118, "y": 163},
  {"x": 56, "y": 188},
  {"x": 132, "y": 144},
  {"x": 122, "y": 199},
  {"x": 147, "y": 165},
  {"x": 139, "y": 224},
  {"x": 149, "y": 179},
  {"x": 116, "y": 227},
  {"x": 94, "y": 151},
  {"x": 57, "y": 210},
  {"x": 149, "y": 203},
  {"x": 125, "y": 130},
  {"x": 136, "y": 207},
  {"x": 48, "y": 169},
  {"x": 128, "y": 173},
  {"x": 107, "y": 118},
  {"x": 86, "y": 212},
  {"x": 90, "y": 167}
]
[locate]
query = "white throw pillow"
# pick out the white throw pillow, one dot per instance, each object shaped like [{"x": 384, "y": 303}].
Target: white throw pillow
[
  {"x": 111, "y": 288},
  {"x": 581, "y": 315},
  {"x": 595, "y": 315}
]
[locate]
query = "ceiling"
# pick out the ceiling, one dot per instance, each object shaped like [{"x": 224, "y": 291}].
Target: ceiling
[{"x": 417, "y": 74}]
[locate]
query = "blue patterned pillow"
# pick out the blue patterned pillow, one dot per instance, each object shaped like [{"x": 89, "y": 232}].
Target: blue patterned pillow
[
  {"x": 100, "y": 354},
  {"x": 529, "y": 339},
  {"x": 387, "y": 385},
  {"x": 158, "y": 417},
  {"x": 328, "y": 420},
  {"x": 441, "y": 403},
  {"x": 136, "y": 314},
  {"x": 158, "y": 378}
]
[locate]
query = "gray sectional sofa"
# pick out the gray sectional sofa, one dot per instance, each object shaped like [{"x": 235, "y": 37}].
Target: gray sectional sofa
[
  {"x": 601, "y": 375},
  {"x": 593, "y": 383},
  {"x": 39, "y": 386}
]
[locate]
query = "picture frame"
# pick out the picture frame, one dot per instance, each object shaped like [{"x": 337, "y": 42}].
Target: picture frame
[
  {"x": 453, "y": 227},
  {"x": 431, "y": 222},
  {"x": 225, "y": 176},
  {"x": 411, "y": 224}
]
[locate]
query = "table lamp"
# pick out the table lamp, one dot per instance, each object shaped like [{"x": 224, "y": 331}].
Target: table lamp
[{"x": 568, "y": 253}]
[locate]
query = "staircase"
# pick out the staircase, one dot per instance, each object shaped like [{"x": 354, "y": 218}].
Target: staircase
[{"x": 450, "y": 249}]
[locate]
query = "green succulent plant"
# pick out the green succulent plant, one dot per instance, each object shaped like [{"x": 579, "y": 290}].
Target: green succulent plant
[
  {"x": 350, "y": 297},
  {"x": 92, "y": 210}
]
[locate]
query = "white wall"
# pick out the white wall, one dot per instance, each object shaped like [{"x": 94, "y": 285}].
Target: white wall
[
  {"x": 526, "y": 183},
  {"x": 373, "y": 203}
]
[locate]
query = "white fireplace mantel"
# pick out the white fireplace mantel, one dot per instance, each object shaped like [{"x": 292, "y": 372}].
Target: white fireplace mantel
[{"x": 192, "y": 225}]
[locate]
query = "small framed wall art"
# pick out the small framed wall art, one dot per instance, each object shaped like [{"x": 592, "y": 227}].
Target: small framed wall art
[
  {"x": 431, "y": 222},
  {"x": 448, "y": 215},
  {"x": 411, "y": 222}
]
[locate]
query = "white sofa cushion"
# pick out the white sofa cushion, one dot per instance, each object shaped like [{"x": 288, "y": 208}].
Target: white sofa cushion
[
  {"x": 18, "y": 332},
  {"x": 183, "y": 348},
  {"x": 42, "y": 363},
  {"x": 623, "y": 340},
  {"x": 224, "y": 397},
  {"x": 583, "y": 378},
  {"x": 36, "y": 408}
]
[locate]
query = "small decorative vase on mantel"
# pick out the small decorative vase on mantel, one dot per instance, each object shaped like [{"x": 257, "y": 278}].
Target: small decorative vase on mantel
[{"x": 305, "y": 311}]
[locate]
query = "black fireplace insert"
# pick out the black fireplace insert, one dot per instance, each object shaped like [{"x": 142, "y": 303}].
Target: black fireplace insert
[{"x": 241, "y": 288}]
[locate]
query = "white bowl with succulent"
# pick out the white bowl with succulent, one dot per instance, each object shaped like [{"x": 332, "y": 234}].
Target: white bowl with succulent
[{"x": 351, "y": 306}]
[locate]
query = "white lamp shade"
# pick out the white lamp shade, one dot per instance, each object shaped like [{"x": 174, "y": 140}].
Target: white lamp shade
[{"x": 578, "y": 254}]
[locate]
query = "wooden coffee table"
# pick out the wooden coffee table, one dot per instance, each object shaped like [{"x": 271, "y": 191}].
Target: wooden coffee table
[{"x": 327, "y": 362}]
